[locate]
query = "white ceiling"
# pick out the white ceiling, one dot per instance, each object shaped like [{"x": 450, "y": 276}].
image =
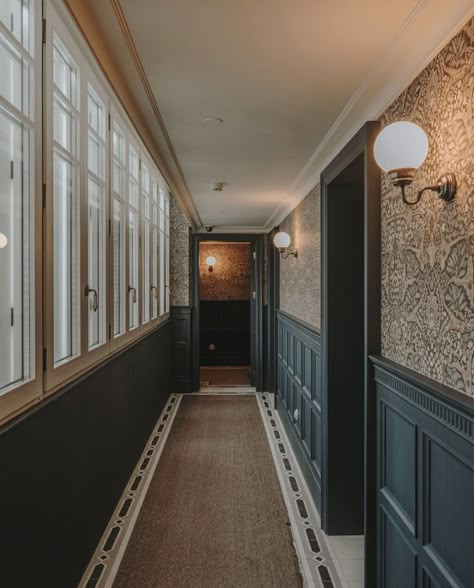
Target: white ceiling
[{"x": 292, "y": 80}]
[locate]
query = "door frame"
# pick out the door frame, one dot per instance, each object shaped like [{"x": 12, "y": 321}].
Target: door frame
[
  {"x": 257, "y": 359},
  {"x": 361, "y": 144}
]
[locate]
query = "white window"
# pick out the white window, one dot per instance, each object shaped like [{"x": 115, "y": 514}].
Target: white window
[
  {"x": 154, "y": 248},
  {"x": 133, "y": 237},
  {"x": 96, "y": 218},
  {"x": 164, "y": 251},
  {"x": 17, "y": 197},
  {"x": 146, "y": 229},
  {"x": 66, "y": 158},
  {"x": 119, "y": 208}
]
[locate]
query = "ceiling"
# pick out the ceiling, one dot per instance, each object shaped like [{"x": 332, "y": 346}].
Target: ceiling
[{"x": 291, "y": 79}]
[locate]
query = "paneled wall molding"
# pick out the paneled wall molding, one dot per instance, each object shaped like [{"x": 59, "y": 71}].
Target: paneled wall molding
[
  {"x": 298, "y": 397},
  {"x": 425, "y": 481},
  {"x": 182, "y": 351},
  {"x": 451, "y": 408}
]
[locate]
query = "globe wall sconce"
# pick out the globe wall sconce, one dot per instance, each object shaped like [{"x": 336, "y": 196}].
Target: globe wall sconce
[
  {"x": 399, "y": 150},
  {"x": 211, "y": 262},
  {"x": 3, "y": 241},
  {"x": 282, "y": 241}
]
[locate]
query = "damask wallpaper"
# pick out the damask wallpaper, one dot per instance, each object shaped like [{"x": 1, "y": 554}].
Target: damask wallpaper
[
  {"x": 300, "y": 277},
  {"x": 180, "y": 256},
  {"x": 230, "y": 277},
  {"x": 428, "y": 249}
]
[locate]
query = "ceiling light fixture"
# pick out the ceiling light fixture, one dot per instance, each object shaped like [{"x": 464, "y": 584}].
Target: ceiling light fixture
[
  {"x": 399, "y": 150},
  {"x": 3, "y": 241},
  {"x": 282, "y": 241},
  {"x": 212, "y": 122},
  {"x": 217, "y": 186}
]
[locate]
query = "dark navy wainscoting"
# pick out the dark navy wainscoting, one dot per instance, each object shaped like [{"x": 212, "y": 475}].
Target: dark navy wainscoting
[
  {"x": 64, "y": 464},
  {"x": 299, "y": 388},
  {"x": 425, "y": 481},
  {"x": 182, "y": 363}
]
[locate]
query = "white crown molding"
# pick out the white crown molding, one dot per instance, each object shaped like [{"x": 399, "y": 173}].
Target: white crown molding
[
  {"x": 180, "y": 189},
  {"x": 427, "y": 29}
]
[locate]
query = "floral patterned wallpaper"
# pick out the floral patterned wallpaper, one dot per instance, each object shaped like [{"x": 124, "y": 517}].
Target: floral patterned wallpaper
[
  {"x": 428, "y": 249},
  {"x": 180, "y": 256},
  {"x": 300, "y": 277},
  {"x": 230, "y": 277}
]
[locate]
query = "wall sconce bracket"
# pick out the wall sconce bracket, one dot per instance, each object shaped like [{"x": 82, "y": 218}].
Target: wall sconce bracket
[
  {"x": 288, "y": 253},
  {"x": 445, "y": 188}
]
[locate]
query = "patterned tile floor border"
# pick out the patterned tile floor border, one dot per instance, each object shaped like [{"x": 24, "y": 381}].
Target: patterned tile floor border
[
  {"x": 106, "y": 560},
  {"x": 317, "y": 566}
]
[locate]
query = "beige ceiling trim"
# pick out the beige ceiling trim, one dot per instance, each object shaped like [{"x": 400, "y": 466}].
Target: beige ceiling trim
[
  {"x": 378, "y": 90},
  {"x": 122, "y": 21}
]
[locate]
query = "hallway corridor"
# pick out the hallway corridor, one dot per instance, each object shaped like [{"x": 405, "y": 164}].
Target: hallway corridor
[{"x": 217, "y": 500}]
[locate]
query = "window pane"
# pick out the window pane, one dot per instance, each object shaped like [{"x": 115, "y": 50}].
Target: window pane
[
  {"x": 66, "y": 199},
  {"x": 97, "y": 217},
  {"x": 118, "y": 233},
  {"x": 66, "y": 260},
  {"x": 17, "y": 15},
  {"x": 133, "y": 286},
  {"x": 16, "y": 256},
  {"x": 145, "y": 202},
  {"x": 133, "y": 270},
  {"x": 154, "y": 250}
]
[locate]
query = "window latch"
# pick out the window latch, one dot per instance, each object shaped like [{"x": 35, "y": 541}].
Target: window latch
[
  {"x": 134, "y": 295},
  {"x": 94, "y": 305}
]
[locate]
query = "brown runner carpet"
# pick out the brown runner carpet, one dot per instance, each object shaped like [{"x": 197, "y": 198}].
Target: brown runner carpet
[
  {"x": 214, "y": 514},
  {"x": 225, "y": 376}
]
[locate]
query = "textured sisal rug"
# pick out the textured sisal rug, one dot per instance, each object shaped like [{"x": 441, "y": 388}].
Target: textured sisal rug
[
  {"x": 225, "y": 376},
  {"x": 214, "y": 514}
]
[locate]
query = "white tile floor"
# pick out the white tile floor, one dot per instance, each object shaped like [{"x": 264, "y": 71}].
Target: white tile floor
[{"x": 348, "y": 556}]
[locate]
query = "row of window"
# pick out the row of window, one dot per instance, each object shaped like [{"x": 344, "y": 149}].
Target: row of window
[{"x": 84, "y": 259}]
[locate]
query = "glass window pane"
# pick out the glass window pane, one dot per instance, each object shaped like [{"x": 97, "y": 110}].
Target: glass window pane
[
  {"x": 17, "y": 16},
  {"x": 66, "y": 260},
  {"x": 16, "y": 256},
  {"x": 97, "y": 222},
  {"x": 118, "y": 232},
  {"x": 145, "y": 203},
  {"x": 66, "y": 206},
  {"x": 133, "y": 243},
  {"x": 133, "y": 269}
]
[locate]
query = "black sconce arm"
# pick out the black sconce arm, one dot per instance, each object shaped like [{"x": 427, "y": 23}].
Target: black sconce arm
[
  {"x": 445, "y": 188},
  {"x": 288, "y": 253}
]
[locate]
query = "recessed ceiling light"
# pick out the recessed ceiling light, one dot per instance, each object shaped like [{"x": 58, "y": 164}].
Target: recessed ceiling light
[{"x": 212, "y": 122}]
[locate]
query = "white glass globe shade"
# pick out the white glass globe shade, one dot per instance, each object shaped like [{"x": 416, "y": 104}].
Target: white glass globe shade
[
  {"x": 3, "y": 241},
  {"x": 401, "y": 145},
  {"x": 211, "y": 260},
  {"x": 282, "y": 240}
]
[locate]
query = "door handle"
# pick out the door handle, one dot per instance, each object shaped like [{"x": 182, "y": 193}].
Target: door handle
[
  {"x": 134, "y": 295},
  {"x": 95, "y": 298}
]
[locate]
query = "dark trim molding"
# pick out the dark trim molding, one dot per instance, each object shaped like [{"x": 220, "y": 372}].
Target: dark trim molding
[
  {"x": 182, "y": 360},
  {"x": 449, "y": 407},
  {"x": 360, "y": 145},
  {"x": 256, "y": 240},
  {"x": 286, "y": 315}
]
